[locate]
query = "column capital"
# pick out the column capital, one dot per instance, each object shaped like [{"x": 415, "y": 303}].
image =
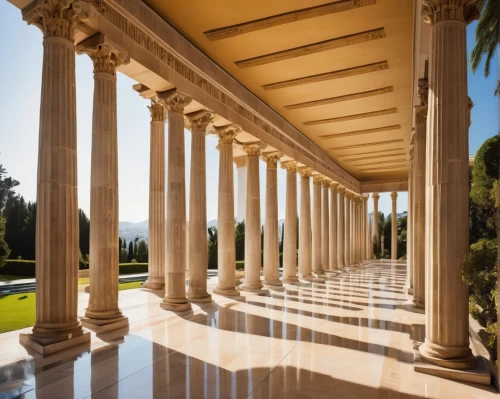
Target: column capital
[
  {"x": 254, "y": 150},
  {"x": 334, "y": 186},
  {"x": 174, "y": 101},
  {"x": 290, "y": 166},
  {"x": 435, "y": 11},
  {"x": 470, "y": 105},
  {"x": 394, "y": 195},
  {"x": 272, "y": 159},
  {"x": 240, "y": 162},
  {"x": 326, "y": 182},
  {"x": 341, "y": 190},
  {"x": 364, "y": 198},
  {"x": 318, "y": 180},
  {"x": 58, "y": 18},
  {"x": 227, "y": 133},
  {"x": 199, "y": 120},
  {"x": 375, "y": 196},
  {"x": 423, "y": 95},
  {"x": 348, "y": 194},
  {"x": 105, "y": 54},
  {"x": 157, "y": 112},
  {"x": 305, "y": 172}
]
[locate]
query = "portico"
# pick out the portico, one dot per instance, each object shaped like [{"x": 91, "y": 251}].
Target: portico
[{"x": 274, "y": 98}]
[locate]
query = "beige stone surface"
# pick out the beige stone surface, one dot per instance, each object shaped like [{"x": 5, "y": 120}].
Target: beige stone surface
[
  {"x": 376, "y": 232},
  {"x": 394, "y": 227},
  {"x": 198, "y": 245},
  {"x": 447, "y": 192},
  {"x": 176, "y": 252},
  {"x": 325, "y": 225},
  {"x": 317, "y": 262},
  {"x": 156, "y": 225},
  {"x": 290, "y": 239},
  {"x": 341, "y": 229},
  {"x": 271, "y": 243},
  {"x": 347, "y": 230},
  {"x": 252, "y": 220}
]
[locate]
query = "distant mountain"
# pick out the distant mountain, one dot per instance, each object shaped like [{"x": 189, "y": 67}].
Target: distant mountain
[{"x": 129, "y": 230}]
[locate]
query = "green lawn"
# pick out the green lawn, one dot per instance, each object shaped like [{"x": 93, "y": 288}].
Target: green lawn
[{"x": 18, "y": 310}]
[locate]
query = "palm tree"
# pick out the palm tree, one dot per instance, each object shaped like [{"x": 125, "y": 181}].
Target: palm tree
[{"x": 487, "y": 37}]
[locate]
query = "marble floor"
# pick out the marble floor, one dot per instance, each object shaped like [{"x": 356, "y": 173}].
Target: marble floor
[{"x": 351, "y": 337}]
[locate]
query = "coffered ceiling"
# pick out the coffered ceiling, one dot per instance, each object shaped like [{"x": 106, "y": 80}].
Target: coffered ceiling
[{"x": 340, "y": 72}]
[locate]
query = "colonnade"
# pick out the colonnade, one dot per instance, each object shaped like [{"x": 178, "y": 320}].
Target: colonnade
[{"x": 333, "y": 231}]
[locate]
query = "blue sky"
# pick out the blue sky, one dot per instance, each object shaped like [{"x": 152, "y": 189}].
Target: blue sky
[{"x": 20, "y": 82}]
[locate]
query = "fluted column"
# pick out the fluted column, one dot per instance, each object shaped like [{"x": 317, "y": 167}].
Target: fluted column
[
  {"x": 103, "y": 313},
  {"x": 241, "y": 172},
  {"x": 394, "y": 227},
  {"x": 57, "y": 200},
  {"x": 305, "y": 255},
  {"x": 333, "y": 263},
  {"x": 175, "y": 275},
  {"x": 226, "y": 250},
  {"x": 271, "y": 241},
  {"x": 198, "y": 244},
  {"x": 290, "y": 239},
  {"x": 447, "y": 192},
  {"x": 376, "y": 232},
  {"x": 341, "y": 229},
  {"x": 317, "y": 264},
  {"x": 325, "y": 225},
  {"x": 364, "y": 230},
  {"x": 252, "y": 220},
  {"x": 347, "y": 235},
  {"x": 409, "y": 223},
  {"x": 156, "y": 227},
  {"x": 418, "y": 219}
]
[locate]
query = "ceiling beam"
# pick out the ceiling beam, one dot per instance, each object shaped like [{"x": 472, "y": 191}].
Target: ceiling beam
[
  {"x": 347, "y": 97},
  {"x": 285, "y": 18},
  {"x": 374, "y": 157},
  {"x": 372, "y": 144},
  {"x": 361, "y": 166},
  {"x": 325, "y": 45},
  {"x": 369, "y": 152},
  {"x": 352, "y": 117},
  {"x": 383, "y": 168},
  {"x": 384, "y": 185},
  {"x": 341, "y": 73},
  {"x": 360, "y": 132}
]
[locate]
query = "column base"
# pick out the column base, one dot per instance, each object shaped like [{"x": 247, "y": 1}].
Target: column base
[
  {"x": 457, "y": 358},
  {"x": 199, "y": 297},
  {"x": 318, "y": 273},
  {"x": 45, "y": 349},
  {"x": 312, "y": 279},
  {"x": 178, "y": 305},
  {"x": 272, "y": 284},
  {"x": 417, "y": 303},
  {"x": 290, "y": 280},
  {"x": 104, "y": 325},
  {"x": 154, "y": 283},
  {"x": 257, "y": 291},
  {"x": 226, "y": 291}
]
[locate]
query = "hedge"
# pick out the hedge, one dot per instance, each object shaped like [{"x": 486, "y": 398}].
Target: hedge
[
  {"x": 20, "y": 267},
  {"x": 240, "y": 264}
]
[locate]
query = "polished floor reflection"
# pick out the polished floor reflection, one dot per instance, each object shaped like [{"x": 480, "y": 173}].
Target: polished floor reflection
[{"x": 349, "y": 337}]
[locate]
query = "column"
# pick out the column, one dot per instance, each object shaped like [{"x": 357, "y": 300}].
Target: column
[
  {"x": 226, "y": 250},
  {"x": 394, "y": 227},
  {"x": 156, "y": 240},
  {"x": 376, "y": 231},
  {"x": 57, "y": 199},
  {"x": 341, "y": 229},
  {"x": 317, "y": 266},
  {"x": 103, "y": 313},
  {"x": 347, "y": 235},
  {"x": 332, "y": 256},
  {"x": 418, "y": 219},
  {"x": 290, "y": 239},
  {"x": 410, "y": 224},
  {"x": 252, "y": 220},
  {"x": 175, "y": 275},
  {"x": 364, "y": 237},
  {"x": 325, "y": 226},
  {"x": 241, "y": 171},
  {"x": 198, "y": 244},
  {"x": 447, "y": 192},
  {"x": 271, "y": 242},
  {"x": 305, "y": 255}
]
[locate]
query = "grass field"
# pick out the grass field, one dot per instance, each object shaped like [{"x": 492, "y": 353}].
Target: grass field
[{"x": 18, "y": 310}]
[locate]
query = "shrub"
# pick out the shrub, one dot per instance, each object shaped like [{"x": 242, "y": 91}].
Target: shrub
[
  {"x": 133, "y": 268},
  {"x": 480, "y": 273},
  {"x": 19, "y": 267},
  {"x": 240, "y": 264}
]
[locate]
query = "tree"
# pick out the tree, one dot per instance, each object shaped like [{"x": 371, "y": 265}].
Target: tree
[
  {"x": 212, "y": 247},
  {"x": 6, "y": 187},
  {"x": 239, "y": 238},
  {"x": 142, "y": 252},
  {"x": 4, "y": 248},
  {"x": 16, "y": 215},
  {"x": 84, "y": 233},
  {"x": 130, "y": 252},
  {"x": 487, "y": 37}
]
